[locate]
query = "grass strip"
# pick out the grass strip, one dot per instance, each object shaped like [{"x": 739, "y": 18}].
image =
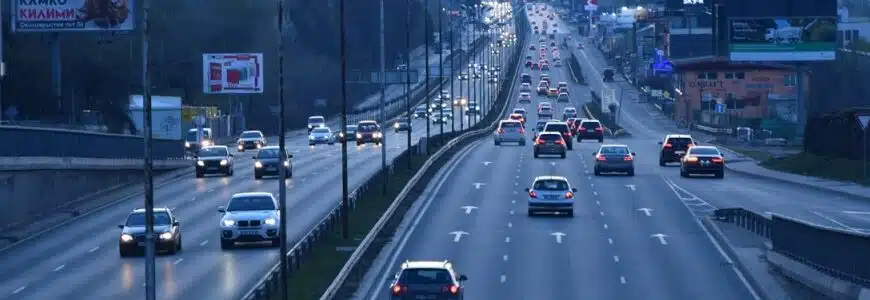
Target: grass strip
[
  {"x": 594, "y": 112},
  {"x": 819, "y": 166}
]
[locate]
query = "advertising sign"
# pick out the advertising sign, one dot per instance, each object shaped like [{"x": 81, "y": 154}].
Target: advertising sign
[
  {"x": 232, "y": 73},
  {"x": 72, "y": 15},
  {"x": 783, "y": 39}
]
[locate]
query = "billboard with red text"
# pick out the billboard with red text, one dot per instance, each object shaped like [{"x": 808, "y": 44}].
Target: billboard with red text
[{"x": 72, "y": 15}]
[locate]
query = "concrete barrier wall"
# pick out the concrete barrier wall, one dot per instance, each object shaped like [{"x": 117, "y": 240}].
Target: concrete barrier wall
[{"x": 29, "y": 141}]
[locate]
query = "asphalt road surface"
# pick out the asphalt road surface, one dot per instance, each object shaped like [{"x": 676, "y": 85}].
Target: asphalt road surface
[
  {"x": 80, "y": 260},
  {"x": 631, "y": 237}
]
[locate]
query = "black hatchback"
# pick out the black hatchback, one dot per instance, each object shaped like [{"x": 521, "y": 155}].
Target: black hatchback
[{"x": 674, "y": 147}]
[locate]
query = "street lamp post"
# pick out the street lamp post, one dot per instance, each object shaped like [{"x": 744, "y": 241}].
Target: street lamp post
[
  {"x": 426, "y": 36},
  {"x": 451, "y": 27},
  {"x": 441, "y": 70},
  {"x": 461, "y": 94},
  {"x": 150, "y": 280},
  {"x": 383, "y": 100},
  {"x": 407, "y": 73},
  {"x": 345, "y": 209}
]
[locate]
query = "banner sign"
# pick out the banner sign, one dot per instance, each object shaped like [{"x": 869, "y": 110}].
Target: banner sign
[
  {"x": 783, "y": 39},
  {"x": 232, "y": 73},
  {"x": 72, "y": 15}
]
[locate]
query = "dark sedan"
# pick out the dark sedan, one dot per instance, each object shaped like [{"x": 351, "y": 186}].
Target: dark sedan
[
  {"x": 214, "y": 160},
  {"x": 349, "y": 136},
  {"x": 703, "y": 160},
  {"x": 166, "y": 228},
  {"x": 267, "y": 162},
  {"x": 402, "y": 125}
]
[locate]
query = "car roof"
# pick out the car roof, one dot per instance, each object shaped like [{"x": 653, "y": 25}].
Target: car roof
[
  {"x": 510, "y": 121},
  {"x": 252, "y": 131},
  {"x": 215, "y": 146},
  {"x": 156, "y": 209},
  {"x": 557, "y": 122},
  {"x": 252, "y": 194},
  {"x": 549, "y": 177},
  {"x": 678, "y": 136},
  {"x": 368, "y": 122},
  {"x": 519, "y": 109},
  {"x": 704, "y": 147},
  {"x": 614, "y": 145},
  {"x": 315, "y": 117},
  {"x": 427, "y": 264},
  {"x": 271, "y": 147},
  {"x": 549, "y": 133},
  {"x": 590, "y": 120}
]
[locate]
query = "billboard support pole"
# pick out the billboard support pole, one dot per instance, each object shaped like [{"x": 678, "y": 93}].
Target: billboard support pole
[
  {"x": 56, "y": 69},
  {"x": 801, "y": 114}
]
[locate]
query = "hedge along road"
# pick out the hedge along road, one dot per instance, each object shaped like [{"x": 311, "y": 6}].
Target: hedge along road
[{"x": 80, "y": 260}]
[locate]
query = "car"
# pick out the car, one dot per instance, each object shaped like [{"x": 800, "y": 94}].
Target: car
[
  {"x": 535, "y": 66},
  {"x": 528, "y": 57},
  {"x": 463, "y": 76},
  {"x": 445, "y": 95},
  {"x": 321, "y": 135},
  {"x": 703, "y": 159},
  {"x": 539, "y": 127},
  {"x": 402, "y": 124},
  {"x": 526, "y": 78},
  {"x": 529, "y": 64},
  {"x": 564, "y": 90},
  {"x": 573, "y": 123},
  {"x": 350, "y": 135},
  {"x": 553, "y": 44},
  {"x": 545, "y": 77},
  {"x": 517, "y": 117},
  {"x": 580, "y": 46},
  {"x": 525, "y": 87},
  {"x": 614, "y": 159},
  {"x": 532, "y": 47},
  {"x": 568, "y": 113},
  {"x": 543, "y": 104},
  {"x": 674, "y": 146},
  {"x": 561, "y": 97},
  {"x": 214, "y": 159},
  {"x": 421, "y": 112},
  {"x": 475, "y": 75},
  {"x": 249, "y": 217},
  {"x": 520, "y": 111},
  {"x": 510, "y": 131},
  {"x": 167, "y": 232},
  {"x": 556, "y": 62},
  {"x": 439, "y": 118},
  {"x": 267, "y": 162},
  {"x": 250, "y": 139},
  {"x": 562, "y": 84},
  {"x": 427, "y": 280},
  {"x": 550, "y": 143},
  {"x": 437, "y": 104},
  {"x": 525, "y": 98},
  {"x": 447, "y": 113},
  {"x": 316, "y": 121},
  {"x": 563, "y": 129},
  {"x": 545, "y": 67},
  {"x": 551, "y": 194},
  {"x": 472, "y": 109},
  {"x": 543, "y": 88},
  {"x": 193, "y": 141},
  {"x": 553, "y": 93},
  {"x": 590, "y": 130},
  {"x": 368, "y": 131},
  {"x": 545, "y": 112}
]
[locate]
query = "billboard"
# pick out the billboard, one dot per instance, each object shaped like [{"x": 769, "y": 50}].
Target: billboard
[
  {"x": 783, "y": 39},
  {"x": 72, "y": 15},
  {"x": 232, "y": 73}
]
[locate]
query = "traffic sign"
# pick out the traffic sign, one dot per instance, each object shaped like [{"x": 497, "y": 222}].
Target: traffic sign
[
  {"x": 864, "y": 121},
  {"x": 720, "y": 108}
]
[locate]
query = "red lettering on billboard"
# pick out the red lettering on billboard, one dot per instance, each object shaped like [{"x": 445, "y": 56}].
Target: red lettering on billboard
[{"x": 46, "y": 14}]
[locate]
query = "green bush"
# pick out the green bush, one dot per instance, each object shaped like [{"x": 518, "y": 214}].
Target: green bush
[{"x": 820, "y": 166}]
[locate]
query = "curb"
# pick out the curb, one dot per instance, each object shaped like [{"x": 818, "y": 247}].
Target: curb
[
  {"x": 800, "y": 184},
  {"x": 732, "y": 256}
]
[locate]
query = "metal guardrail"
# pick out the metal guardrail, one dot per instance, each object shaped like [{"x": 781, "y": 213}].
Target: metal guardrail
[
  {"x": 714, "y": 130},
  {"x": 839, "y": 253},
  {"x": 507, "y": 93},
  {"x": 44, "y": 142},
  {"x": 270, "y": 283}
]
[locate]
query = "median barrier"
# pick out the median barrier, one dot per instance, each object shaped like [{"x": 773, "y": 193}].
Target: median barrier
[
  {"x": 839, "y": 254},
  {"x": 31, "y": 141},
  {"x": 270, "y": 285},
  {"x": 575, "y": 69}
]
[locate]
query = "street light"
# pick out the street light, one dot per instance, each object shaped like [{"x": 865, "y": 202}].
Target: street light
[
  {"x": 150, "y": 280},
  {"x": 408, "y": 74},
  {"x": 426, "y": 36},
  {"x": 441, "y": 70},
  {"x": 345, "y": 209}
]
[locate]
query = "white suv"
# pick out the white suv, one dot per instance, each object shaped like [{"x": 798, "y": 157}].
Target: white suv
[
  {"x": 250, "y": 217},
  {"x": 510, "y": 131},
  {"x": 551, "y": 194}
]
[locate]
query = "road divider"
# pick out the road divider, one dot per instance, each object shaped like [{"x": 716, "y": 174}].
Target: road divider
[
  {"x": 575, "y": 70},
  {"x": 592, "y": 110}
]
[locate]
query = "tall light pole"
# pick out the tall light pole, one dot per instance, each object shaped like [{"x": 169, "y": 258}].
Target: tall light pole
[
  {"x": 383, "y": 114},
  {"x": 450, "y": 77},
  {"x": 441, "y": 67},
  {"x": 408, "y": 74},
  {"x": 461, "y": 61},
  {"x": 426, "y": 36},
  {"x": 345, "y": 210},
  {"x": 282, "y": 149},
  {"x": 150, "y": 281}
]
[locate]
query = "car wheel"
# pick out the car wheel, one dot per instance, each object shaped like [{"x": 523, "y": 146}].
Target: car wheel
[
  {"x": 276, "y": 243},
  {"x": 570, "y": 146},
  {"x": 230, "y": 173},
  {"x": 331, "y": 144},
  {"x": 662, "y": 162},
  {"x": 720, "y": 174},
  {"x": 227, "y": 244},
  {"x": 684, "y": 173},
  {"x": 631, "y": 172},
  {"x": 242, "y": 150},
  {"x": 597, "y": 172},
  {"x": 523, "y": 143},
  {"x": 536, "y": 154},
  {"x": 199, "y": 175},
  {"x": 258, "y": 176},
  {"x": 601, "y": 140},
  {"x": 564, "y": 155},
  {"x": 497, "y": 143},
  {"x": 530, "y": 212},
  {"x": 358, "y": 143},
  {"x": 178, "y": 246},
  {"x": 579, "y": 139},
  {"x": 571, "y": 214},
  {"x": 123, "y": 253}
]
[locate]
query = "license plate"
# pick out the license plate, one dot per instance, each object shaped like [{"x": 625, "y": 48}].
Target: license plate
[
  {"x": 141, "y": 244},
  {"x": 249, "y": 232},
  {"x": 680, "y": 152},
  {"x": 212, "y": 168},
  {"x": 424, "y": 297},
  {"x": 590, "y": 130},
  {"x": 551, "y": 198},
  {"x": 271, "y": 168}
]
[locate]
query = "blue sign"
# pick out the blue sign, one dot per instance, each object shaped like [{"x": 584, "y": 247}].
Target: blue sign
[
  {"x": 661, "y": 65},
  {"x": 720, "y": 108}
]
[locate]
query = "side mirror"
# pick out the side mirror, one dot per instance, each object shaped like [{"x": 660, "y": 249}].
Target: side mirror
[
  {"x": 594, "y": 153},
  {"x": 231, "y": 155},
  {"x": 633, "y": 154},
  {"x": 221, "y": 209},
  {"x": 176, "y": 223},
  {"x": 463, "y": 278},
  {"x": 290, "y": 156},
  {"x": 526, "y": 189},
  {"x": 121, "y": 226},
  {"x": 196, "y": 156},
  {"x": 574, "y": 190},
  {"x": 254, "y": 158},
  {"x": 660, "y": 142}
]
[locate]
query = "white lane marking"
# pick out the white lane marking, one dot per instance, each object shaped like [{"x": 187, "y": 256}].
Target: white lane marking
[
  {"x": 595, "y": 193},
  {"x": 477, "y": 185},
  {"x": 586, "y": 171},
  {"x": 592, "y": 185},
  {"x": 516, "y": 183},
  {"x": 504, "y": 257},
  {"x": 94, "y": 249},
  {"x": 173, "y": 208},
  {"x": 59, "y": 268},
  {"x": 457, "y": 235},
  {"x": 194, "y": 198},
  {"x": 468, "y": 209},
  {"x": 510, "y": 225},
  {"x": 615, "y": 258},
  {"x": 832, "y": 220},
  {"x": 211, "y": 190},
  {"x": 518, "y": 170},
  {"x": 661, "y": 238},
  {"x": 516, "y": 193},
  {"x": 631, "y": 187},
  {"x": 178, "y": 261},
  {"x": 856, "y": 212},
  {"x": 589, "y": 177},
  {"x": 512, "y": 212},
  {"x": 203, "y": 243},
  {"x": 605, "y": 226},
  {"x": 622, "y": 279},
  {"x": 610, "y": 241},
  {"x": 507, "y": 239},
  {"x": 18, "y": 290},
  {"x": 503, "y": 279},
  {"x": 513, "y": 201},
  {"x": 597, "y": 202},
  {"x": 646, "y": 211},
  {"x": 518, "y": 176}
]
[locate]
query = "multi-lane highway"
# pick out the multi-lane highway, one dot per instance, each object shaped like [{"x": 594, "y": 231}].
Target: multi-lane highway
[
  {"x": 631, "y": 237},
  {"x": 80, "y": 260}
]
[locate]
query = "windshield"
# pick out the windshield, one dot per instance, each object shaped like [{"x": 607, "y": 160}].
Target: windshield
[
  {"x": 251, "y": 203},
  {"x": 320, "y": 130},
  {"x": 213, "y": 151},
  {"x": 557, "y": 128},
  {"x": 551, "y": 185},
  {"x": 550, "y": 137},
  {"x": 704, "y": 151},
  {"x": 519, "y": 111},
  {"x": 367, "y": 127},
  {"x": 351, "y": 128},
  {"x": 420, "y": 109},
  {"x": 268, "y": 153},
  {"x": 191, "y": 136},
  {"x": 510, "y": 124},
  {"x": 545, "y": 108},
  {"x": 516, "y": 117},
  {"x": 589, "y": 125},
  {"x": 138, "y": 219},
  {"x": 570, "y": 110},
  {"x": 679, "y": 141},
  {"x": 540, "y": 126},
  {"x": 426, "y": 276},
  {"x": 614, "y": 150},
  {"x": 254, "y": 134},
  {"x": 316, "y": 120}
]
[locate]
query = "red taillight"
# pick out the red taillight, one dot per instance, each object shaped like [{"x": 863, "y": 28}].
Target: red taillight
[
  {"x": 540, "y": 142},
  {"x": 398, "y": 289},
  {"x": 453, "y": 289},
  {"x": 500, "y": 131},
  {"x": 569, "y": 195},
  {"x": 522, "y": 130},
  {"x": 599, "y": 128},
  {"x": 628, "y": 158},
  {"x": 668, "y": 145},
  {"x": 568, "y": 133},
  {"x": 559, "y": 142},
  {"x": 533, "y": 195},
  {"x": 718, "y": 160},
  {"x": 601, "y": 157}
]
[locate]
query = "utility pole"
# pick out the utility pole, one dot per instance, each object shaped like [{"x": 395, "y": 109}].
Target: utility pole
[
  {"x": 150, "y": 272},
  {"x": 383, "y": 117},
  {"x": 345, "y": 209},
  {"x": 426, "y": 36},
  {"x": 441, "y": 69},
  {"x": 461, "y": 65},
  {"x": 635, "y": 56},
  {"x": 282, "y": 149},
  {"x": 408, "y": 73}
]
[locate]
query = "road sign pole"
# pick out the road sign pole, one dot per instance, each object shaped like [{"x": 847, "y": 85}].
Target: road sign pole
[
  {"x": 383, "y": 114},
  {"x": 441, "y": 66},
  {"x": 866, "y": 132},
  {"x": 426, "y": 37},
  {"x": 345, "y": 221},
  {"x": 408, "y": 74},
  {"x": 282, "y": 149},
  {"x": 150, "y": 280}
]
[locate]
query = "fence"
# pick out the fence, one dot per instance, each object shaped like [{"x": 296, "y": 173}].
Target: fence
[
  {"x": 33, "y": 142},
  {"x": 270, "y": 284},
  {"x": 839, "y": 253}
]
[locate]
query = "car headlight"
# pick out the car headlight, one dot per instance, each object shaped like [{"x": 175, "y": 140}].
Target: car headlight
[
  {"x": 396, "y": 125},
  {"x": 186, "y": 144},
  {"x": 258, "y": 165},
  {"x": 259, "y": 145},
  {"x": 223, "y": 162},
  {"x": 200, "y": 163},
  {"x": 228, "y": 223},
  {"x": 270, "y": 221},
  {"x": 310, "y": 126},
  {"x": 359, "y": 136},
  {"x": 241, "y": 147},
  {"x": 286, "y": 163},
  {"x": 126, "y": 238},
  {"x": 341, "y": 134},
  {"x": 166, "y": 236},
  {"x": 310, "y": 137},
  {"x": 206, "y": 143},
  {"x": 376, "y": 134}
]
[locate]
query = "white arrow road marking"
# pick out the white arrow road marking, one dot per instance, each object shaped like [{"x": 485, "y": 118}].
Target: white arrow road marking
[
  {"x": 856, "y": 212},
  {"x": 661, "y": 238},
  {"x": 457, "y": 235},
  {"x": 503, "y": 278},
  {"x": 18, "y": 290},
  {"x": 486, "y": 163},
  {"x": 468, "y": 209},
  {"x": 59, "y": 268},
  {"x": 477, "y": 185},
  {"x": 646, "y": 211},
  {"x": 631, "y": 187},
  {"x": 553, "y": 163},
  {"x": 558, "y": 236}
]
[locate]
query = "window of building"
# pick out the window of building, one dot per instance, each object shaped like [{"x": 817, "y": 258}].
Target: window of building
[
  {"x": 729, "y": 75},
  {"x": 740, "y": 75},
  {"x": 790, "y": 80},
  {"x": 707, "y": 75}
]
